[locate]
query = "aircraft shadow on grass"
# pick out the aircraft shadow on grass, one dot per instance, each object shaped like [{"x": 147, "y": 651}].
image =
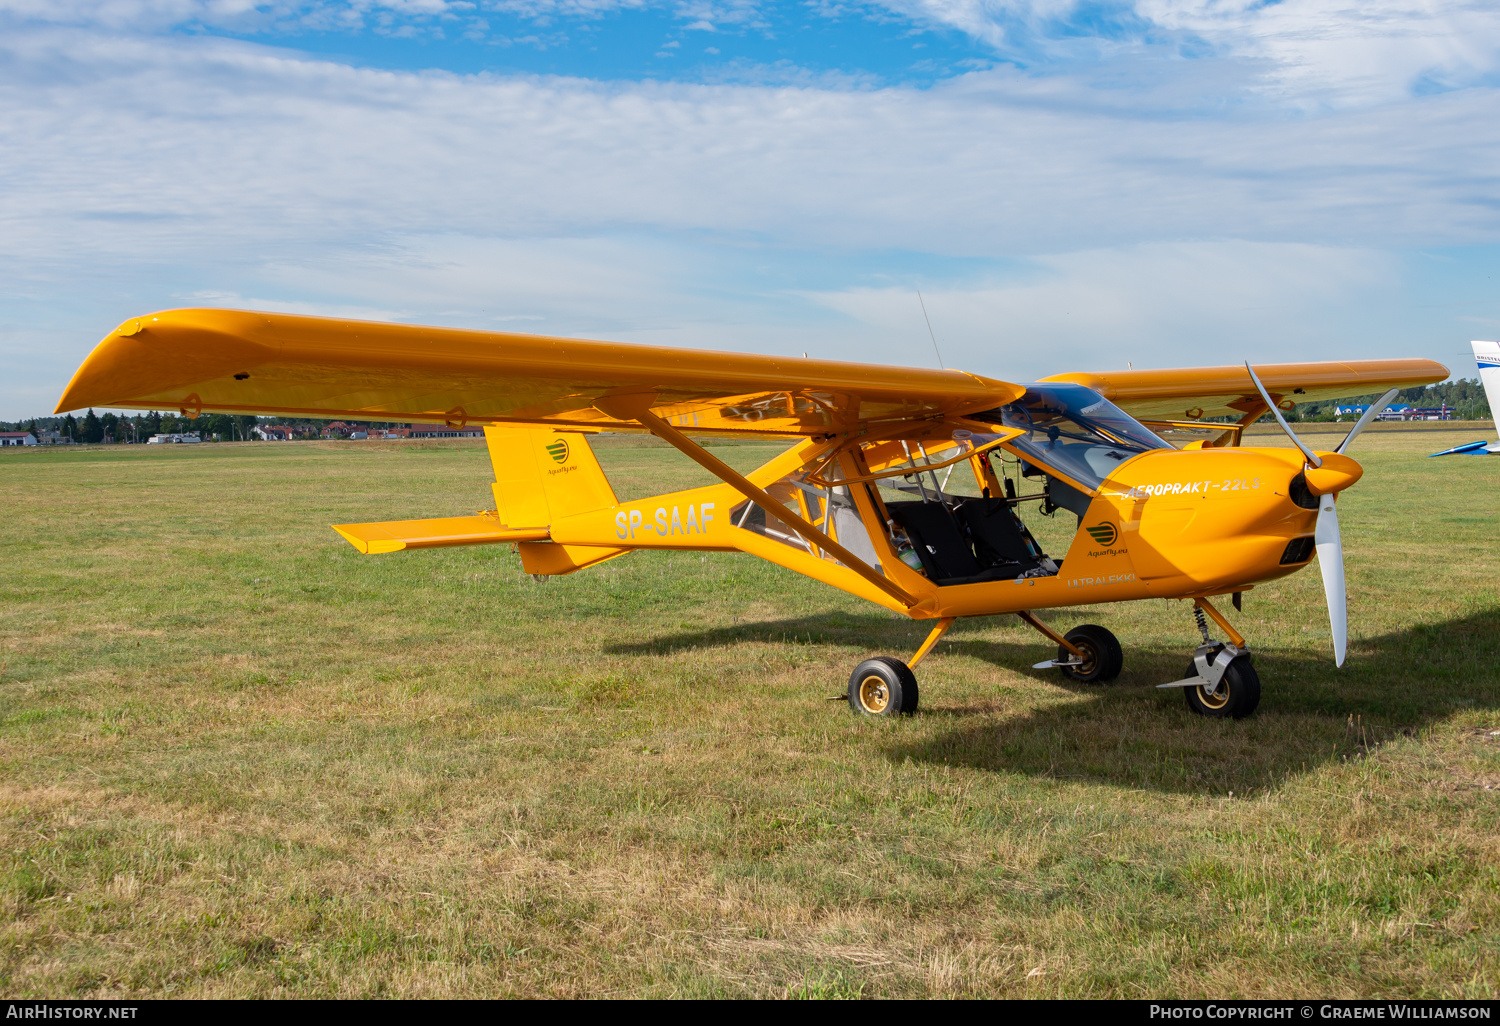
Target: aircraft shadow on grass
[{"x": 1132, "y": 734}]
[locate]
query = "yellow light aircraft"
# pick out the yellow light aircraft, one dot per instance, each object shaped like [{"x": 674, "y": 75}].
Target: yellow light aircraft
[{"x": 860, "y": 499}]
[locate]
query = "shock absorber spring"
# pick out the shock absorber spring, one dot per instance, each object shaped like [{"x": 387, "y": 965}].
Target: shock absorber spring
[{"x": 1202, "y": 624}]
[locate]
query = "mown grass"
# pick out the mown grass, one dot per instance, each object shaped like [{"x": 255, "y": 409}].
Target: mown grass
[{"x": 237, "y": 758}]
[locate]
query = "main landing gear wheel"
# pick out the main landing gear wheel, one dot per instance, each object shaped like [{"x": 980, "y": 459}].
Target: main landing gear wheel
[
  {"x": 1236, "y": 697},
  {"x": 1102, "y": 658},
  {"x": 882, "y": 687}
]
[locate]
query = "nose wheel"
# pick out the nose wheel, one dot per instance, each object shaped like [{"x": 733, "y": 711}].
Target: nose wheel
[
  {"x": 1221, "y": 682},
  {"x": 1233, "y": 696}
]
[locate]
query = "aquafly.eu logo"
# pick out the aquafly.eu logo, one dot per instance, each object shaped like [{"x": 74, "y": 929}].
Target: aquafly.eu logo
[
  {"x": 1104, "y": 533},
  {"x": 558, "y": 450}
]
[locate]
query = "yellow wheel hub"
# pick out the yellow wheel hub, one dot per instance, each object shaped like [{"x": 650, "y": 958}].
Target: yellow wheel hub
[
  {"x": 1090, "y": 657},
  {"x": 1214, "y": 701},
  {"x": 874, "y": 694}
]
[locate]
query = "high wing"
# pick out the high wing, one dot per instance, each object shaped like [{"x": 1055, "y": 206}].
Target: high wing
[
  {"x": 1196, "y": 393},
  {"x": 231, "y": 361}
]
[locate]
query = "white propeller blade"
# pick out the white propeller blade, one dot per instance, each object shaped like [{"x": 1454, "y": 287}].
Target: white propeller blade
[
  {"x": 1331, "y": 562},
  {"x": 1369, "y": 415},
  {"x": 1311, "y": 456}
]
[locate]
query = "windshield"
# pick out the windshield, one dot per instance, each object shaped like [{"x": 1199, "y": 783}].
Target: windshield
[{"x": 1076, "y": 430}]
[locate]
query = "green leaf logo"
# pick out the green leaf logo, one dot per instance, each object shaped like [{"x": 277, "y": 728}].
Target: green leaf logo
[
  {"x": 559, "y": 450},
  {"x": 1104, "y": 534}
]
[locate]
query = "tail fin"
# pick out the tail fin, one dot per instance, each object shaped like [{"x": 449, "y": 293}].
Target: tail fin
[
  {"x": 1487, "y": 355},
  {"x": 541, "y": 476}
]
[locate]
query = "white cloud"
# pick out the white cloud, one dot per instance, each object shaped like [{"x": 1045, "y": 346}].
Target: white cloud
[
  {"x": 141, "y": 171},
  {"x": 1347, "y": 51},
  {"x": 161, "y": 148},
  {"x": 1305, "y": 52},
  {"x": 1156, "y": 305}
]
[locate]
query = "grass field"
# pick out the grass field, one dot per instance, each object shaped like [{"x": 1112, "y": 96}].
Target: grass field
[{"x": 237, "y": 758}]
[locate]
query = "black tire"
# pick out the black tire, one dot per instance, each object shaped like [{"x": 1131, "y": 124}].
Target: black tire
[
  {"x": 1102, "y": 657},
  {"x": 882, "y": 687},
  {"x": 1243, "y": 695}
]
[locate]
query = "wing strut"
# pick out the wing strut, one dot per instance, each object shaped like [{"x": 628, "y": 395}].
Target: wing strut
[
  {"x": 1238, "y": 428},
  {"x": 636, "y": 407}
]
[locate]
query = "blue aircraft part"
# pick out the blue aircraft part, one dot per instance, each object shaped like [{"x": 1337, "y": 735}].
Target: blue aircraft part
[{"x": 1479, "y": 448}]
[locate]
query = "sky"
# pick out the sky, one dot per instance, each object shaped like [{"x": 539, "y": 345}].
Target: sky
[{"x": 1067, "y": 185}]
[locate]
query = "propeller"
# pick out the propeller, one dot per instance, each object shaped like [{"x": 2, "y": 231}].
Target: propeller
[
  {"x": 1330, "y": 546},
  {"x": 1311, "y": 456},
  {"x": 1326, "y": 538},
  {"x": 1365, "y": 418}
]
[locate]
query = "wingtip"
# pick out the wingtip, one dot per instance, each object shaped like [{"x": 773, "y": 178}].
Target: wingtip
[
  {"x": 68, "y": 401},
  {"x": 74, "y": 396}
]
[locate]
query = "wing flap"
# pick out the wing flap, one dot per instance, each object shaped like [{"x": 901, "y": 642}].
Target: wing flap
[{"x": 395, "y": 535}]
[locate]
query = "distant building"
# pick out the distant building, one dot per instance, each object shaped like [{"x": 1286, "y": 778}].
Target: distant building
[
  {"x": 189, "y": 438},
  {"x": 1398, "y": 411},
  {"x": 1392, "y": 412},
  {"x": 444, "y": 431},
  {"x": 358, "y": 435},
  {"x": 17, "y": 438},
  {"x": 53, "y": 438},
  {"x": 273, "y": 433}
]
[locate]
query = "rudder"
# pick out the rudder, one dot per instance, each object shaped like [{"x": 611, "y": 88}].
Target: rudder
[{"x": 540, "y": 477}]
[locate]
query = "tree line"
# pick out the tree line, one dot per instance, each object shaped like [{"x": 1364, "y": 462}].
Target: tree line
[
  {"x": 1464, "y": 396},
  {"x": 91, "y": 429}
]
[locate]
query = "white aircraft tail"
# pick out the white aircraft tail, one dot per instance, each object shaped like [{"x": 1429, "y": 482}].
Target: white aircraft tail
[{"x": 1487, "y": 355}]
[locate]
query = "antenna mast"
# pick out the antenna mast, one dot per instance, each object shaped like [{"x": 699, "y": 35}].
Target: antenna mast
[{"x": 929, "y": 329}]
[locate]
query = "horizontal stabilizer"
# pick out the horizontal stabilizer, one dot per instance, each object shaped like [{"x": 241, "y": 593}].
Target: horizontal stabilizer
[
  {"x": 1479, "y": 448},
  {"x": 395, "y": 535}
]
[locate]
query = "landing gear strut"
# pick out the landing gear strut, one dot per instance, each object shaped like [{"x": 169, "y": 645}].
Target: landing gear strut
[{"x": 1220, "y": 681}]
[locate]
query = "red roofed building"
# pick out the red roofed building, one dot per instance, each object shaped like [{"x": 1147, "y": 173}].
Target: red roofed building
[{"x": 444, "y": 431}]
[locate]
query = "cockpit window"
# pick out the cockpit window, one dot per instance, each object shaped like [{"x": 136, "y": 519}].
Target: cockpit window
[{"x": 1075, "y": 430}]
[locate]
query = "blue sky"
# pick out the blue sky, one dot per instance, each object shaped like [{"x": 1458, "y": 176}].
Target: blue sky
[
  {"x": 1069, "y": 185},
  {"x": 789, "y": 41}
]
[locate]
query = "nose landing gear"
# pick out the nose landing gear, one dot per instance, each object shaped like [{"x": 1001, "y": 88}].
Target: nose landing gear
[{"x": 1220, "y": 681}]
